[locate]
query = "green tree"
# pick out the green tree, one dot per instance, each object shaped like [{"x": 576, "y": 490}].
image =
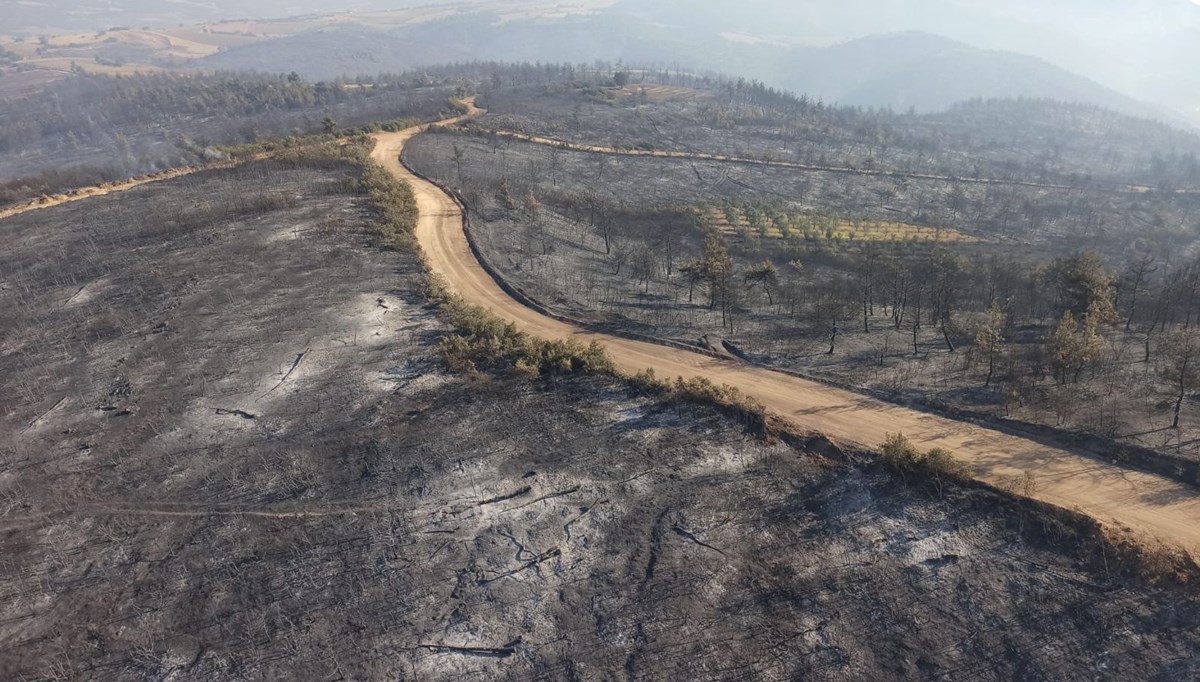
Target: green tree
[
  {"x": 989, "y": 339},
  {"x": 329, "y": 125},
  {"x": 732, "y": 216},
  {"x": 1073, "y": 346},
  {"x": 1084, "y": 286}
]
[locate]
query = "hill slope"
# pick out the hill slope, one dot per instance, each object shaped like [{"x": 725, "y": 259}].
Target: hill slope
[
  {"x": 928, "y": 72},
  {"x": 368, "y": 515}
]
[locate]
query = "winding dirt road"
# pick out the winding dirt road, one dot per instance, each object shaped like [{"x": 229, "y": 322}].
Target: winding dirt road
[{"x": 1143, "y": 502}]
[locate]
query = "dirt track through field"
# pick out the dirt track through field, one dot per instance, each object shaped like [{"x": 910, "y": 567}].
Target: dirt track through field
[
  {"x": 82, "y": 193},
  {"x": 1143, "y": 502},
  {"x": 109, "y": 188}
]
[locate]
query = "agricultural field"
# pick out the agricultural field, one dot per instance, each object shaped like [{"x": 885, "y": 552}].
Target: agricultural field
[
  {"x": 176, "y": 46},
  {"x": 744, "y": 222},
  {"x": 17, "y": 83},
  {"x": 651, "y": 92}
]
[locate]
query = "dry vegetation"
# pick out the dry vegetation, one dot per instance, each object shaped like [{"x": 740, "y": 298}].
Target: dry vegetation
[{"x": 35, "y": 60}]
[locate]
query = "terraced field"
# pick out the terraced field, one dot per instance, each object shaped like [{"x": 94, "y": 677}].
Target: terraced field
[
  {"x": 733, "y": 220},
  {"x": 659, "y": 93}
]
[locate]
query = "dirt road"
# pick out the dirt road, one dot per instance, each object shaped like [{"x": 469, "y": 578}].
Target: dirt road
[
  {"x": 1143, "y": 502},
  {"x": 109, "y": 188},
  {"x": 81, "y": 193}
]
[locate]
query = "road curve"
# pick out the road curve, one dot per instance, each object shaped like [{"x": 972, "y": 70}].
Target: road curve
[{"x": 1143, "y": 502}]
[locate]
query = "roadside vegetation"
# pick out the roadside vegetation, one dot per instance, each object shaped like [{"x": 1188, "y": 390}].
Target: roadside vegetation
[
  {"x": 485, "y": 342},
  {"x": 482, "y": 342}
]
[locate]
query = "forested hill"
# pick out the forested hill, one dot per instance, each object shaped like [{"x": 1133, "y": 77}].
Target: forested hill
[{"x": 1078, "y": 138}]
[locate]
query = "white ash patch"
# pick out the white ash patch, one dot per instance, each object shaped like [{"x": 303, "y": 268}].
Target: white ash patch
[
  {"x": 86, "y": 293},
  {"x": 635, "y": 413},
  {"x": 938, "y": 548},
  {"x": 289, "y": 233}
]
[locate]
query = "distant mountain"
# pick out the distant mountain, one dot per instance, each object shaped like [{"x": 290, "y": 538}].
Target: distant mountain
[
  {"x": 1146, "y": 49},
  {"x": 929, "y": 73},
  {"x": 903, "y": 70}
]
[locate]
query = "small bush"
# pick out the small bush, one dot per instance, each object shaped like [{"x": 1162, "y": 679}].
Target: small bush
[
  {"x": 1024, "y": 485},
  {"x": 486, "y": 341},
  {"x": 353, "y": 135},
  {"x": 648, "y": 383},
  {"x": 1147, "y": 558},
  {"x": 939, "y": 463},
  {"x": 702, "y": 391}
]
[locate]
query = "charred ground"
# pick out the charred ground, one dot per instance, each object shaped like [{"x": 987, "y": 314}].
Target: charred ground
[{"x": 232, "y": 450}]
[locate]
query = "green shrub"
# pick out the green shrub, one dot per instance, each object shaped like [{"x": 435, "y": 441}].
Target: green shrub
[
  {"x": 352, "y": 135},
  {"x": 899, "y": 453},
  {"x": 486, "y": 341},
  {"x": 702, "y": 391}
]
